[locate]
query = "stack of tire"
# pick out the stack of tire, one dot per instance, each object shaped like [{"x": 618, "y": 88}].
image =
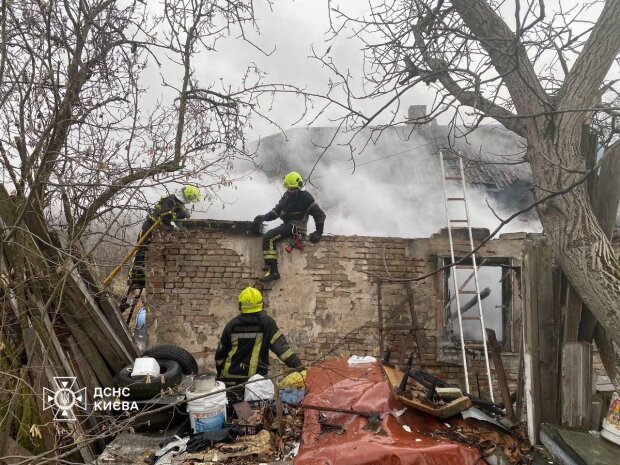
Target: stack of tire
[{"x": 174, "y": 362}]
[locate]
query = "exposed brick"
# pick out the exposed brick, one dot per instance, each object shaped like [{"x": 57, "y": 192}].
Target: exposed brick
[{"x": 325, "y": 302}]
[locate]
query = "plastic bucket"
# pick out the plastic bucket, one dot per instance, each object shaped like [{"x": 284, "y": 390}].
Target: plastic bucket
[
  {"x": 203, "y": 383},
  {"x": 145, "y": 366},
  {"x": 207, "y": 413},
  {"x": 611, "y": 423}
]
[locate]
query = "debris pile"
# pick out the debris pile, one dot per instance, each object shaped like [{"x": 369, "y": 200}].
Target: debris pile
[
  {"x": 350, "y": 414},
  {"x": 253, "y": 436},
  {"x": 73, "y": 337}
]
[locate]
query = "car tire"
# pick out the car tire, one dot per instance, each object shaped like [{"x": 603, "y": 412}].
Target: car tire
[
  {"x": 178, "y": 354},
  {"x": 141, "y": 388},
  {"x": 165, "y": 420}
]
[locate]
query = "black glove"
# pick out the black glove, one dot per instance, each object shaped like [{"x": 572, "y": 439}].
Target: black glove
[
  {"x": 315, "y": 237},
  {"x": 257, "y": 225}
]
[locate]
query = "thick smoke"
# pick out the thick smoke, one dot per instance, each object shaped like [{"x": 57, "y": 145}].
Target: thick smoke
[{"x": 393, "y": 188}]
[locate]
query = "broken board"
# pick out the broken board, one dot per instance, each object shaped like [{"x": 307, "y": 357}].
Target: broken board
[{"x": 415, "y": 396}]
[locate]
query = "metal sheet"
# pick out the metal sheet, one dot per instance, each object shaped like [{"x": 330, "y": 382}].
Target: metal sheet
[{"x": 336, "y": 384}]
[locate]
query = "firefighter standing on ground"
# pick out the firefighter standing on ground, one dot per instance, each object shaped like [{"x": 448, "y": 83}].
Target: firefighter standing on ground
[
  {"x": 293, "y": 208},
  {"x": 168, "y": 209},
  {"x": 243, "y": 350}
]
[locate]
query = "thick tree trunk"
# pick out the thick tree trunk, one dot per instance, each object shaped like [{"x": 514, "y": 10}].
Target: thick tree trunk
[
  {"x": 608, "y": 190},
  {"x": 552, "y": 128},
  {"x": 606, "y": 208},
  {"x": 583, "y": 250}
]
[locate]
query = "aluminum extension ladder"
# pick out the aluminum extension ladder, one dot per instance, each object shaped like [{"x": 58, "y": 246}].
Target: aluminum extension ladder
[{"x": 453, "y": 176}]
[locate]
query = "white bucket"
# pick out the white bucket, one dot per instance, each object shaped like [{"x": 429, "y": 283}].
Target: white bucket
[
  {"x": 611, "y": 424},
  {"x": 203, "y": 383},
  {"x": 207, "y": 413},
  {"x": 145, "y": 366}
]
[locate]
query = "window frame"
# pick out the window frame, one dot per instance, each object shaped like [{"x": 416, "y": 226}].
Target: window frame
[{"x": 446, "y": 348}]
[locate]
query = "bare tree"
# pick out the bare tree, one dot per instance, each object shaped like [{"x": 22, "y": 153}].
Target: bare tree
[
  {"x": 83, "y": 140},
  {"x": 543, "y": 74}
]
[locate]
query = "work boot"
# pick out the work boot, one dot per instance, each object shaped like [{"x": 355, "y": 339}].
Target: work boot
[{"x": 271, "y": 272}]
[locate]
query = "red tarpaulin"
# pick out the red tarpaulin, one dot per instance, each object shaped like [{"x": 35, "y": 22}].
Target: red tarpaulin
[{"x": 334, "y": 383}]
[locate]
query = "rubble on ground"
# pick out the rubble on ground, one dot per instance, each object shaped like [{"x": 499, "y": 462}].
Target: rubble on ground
[{"x": 330, "y": 425}]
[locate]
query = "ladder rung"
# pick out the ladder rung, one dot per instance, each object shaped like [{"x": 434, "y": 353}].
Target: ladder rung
[
  {"x": 464, "y": 267},
  {"x": 453, "y": 178},
  {"x": 459, "y": 221},
  {"x": 451, "y": 158},
  {"x": 456, "y": 198},
  {"x": 467, "y": 292},
  {"x": 477, "y": 318},
  {"x": 474, "y": 346}
]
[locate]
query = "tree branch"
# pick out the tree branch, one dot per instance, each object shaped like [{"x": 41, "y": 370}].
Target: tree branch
[
  {"x": 581, "y": 88},
  {"x": 507, "y": 54}
]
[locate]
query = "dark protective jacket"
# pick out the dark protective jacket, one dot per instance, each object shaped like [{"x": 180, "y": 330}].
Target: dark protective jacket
[
  {"x": 244, "y": 348},
  {"x": 169, "y": 208},
  {"x": 295, "y": 207}
]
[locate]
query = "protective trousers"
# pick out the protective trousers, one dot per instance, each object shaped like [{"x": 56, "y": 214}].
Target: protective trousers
[
  {"x": 137, "y": 273},
  {"x": 271, "y": 237}
]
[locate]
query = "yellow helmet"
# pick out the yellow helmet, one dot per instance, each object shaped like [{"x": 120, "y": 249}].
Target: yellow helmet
[
  {"x": 250, "y": 300},
  {"x": 191, "y": 193},
  {"x": 293, "y": 180}
]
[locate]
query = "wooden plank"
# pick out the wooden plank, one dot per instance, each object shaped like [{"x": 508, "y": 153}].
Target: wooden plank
[
  {"x": 108, "y": 309},
  {"x": 37, "y": 368},
  {"x": 89, "y": 351},
  {"x": 549, "y": 318},
  {"x": 572, "y": 318},
  {"x": 587, "y": 326},
  {"x": 519, "y": 339},
  {"x": 86, "y": 376},
  {"x": 60, "y": 366},
  {"x": 117, "y": 335},
  {"x": 516, "y": 328},
  {"x": 414, "y": 322},
  {"x": 530, "y": 318},
  {"x": 576, "y": 384},
  {"x": 89, "y": 317},
  {"x": 416, "y": 393},
  {"x": 499, "y": 372}
]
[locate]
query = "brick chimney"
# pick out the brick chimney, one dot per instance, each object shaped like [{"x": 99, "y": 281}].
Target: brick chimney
[{"x": 418, "y": 112}]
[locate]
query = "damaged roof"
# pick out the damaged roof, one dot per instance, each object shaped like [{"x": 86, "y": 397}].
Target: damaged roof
[{"x": 495, "y": 153}]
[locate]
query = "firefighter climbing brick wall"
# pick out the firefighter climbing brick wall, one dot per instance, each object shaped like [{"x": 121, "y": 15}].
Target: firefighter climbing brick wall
[
  {"x": 294, "y": 208},
  {"x": 167, "y": 209}
]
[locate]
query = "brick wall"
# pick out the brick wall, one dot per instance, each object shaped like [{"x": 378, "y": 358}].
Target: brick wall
[{"x": 327, "y": 300}]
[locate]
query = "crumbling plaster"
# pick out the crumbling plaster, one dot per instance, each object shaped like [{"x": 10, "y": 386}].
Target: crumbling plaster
[{"x": 325, "y": 303}]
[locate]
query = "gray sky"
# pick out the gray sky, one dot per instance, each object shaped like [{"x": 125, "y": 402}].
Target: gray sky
[
  {"x": 367, "y": 203},
  {"x": 290, "y": 29}
]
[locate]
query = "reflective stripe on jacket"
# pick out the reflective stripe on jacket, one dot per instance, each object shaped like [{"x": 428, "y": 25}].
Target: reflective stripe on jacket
[
  {"x": 244, "y": 347},
  {"x": 169, "y": 208}
]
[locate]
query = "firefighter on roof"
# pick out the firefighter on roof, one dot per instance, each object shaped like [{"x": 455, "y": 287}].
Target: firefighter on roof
[
  {"x": 293, "y": 208},
  {"x": 168, "y": 209}
]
